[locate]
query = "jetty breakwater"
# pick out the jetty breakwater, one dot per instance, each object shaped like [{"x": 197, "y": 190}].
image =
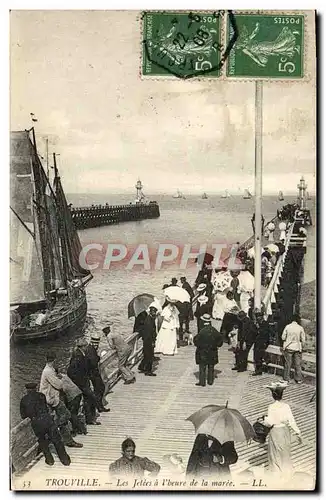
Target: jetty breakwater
[{"x": 104, "y": 215}]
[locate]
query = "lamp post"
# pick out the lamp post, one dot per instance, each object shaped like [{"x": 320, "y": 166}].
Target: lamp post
[{"x": 258, "y": 189}]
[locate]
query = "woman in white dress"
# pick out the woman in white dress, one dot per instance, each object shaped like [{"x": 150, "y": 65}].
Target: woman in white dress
[
  {"x": 166, "y": 342},
  {"x": 281, "y": 419}
]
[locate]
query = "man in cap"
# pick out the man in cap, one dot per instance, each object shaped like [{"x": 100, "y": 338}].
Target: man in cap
[
  {"x": 246, "y": 337},
  {"x": 148, "y": 333},
  {"x": 174, "y": 282},
  {"x": 207, "y": 341},
  {"x": 78, "y": 372},
  {"x": 33, "y": 405},
  {"x": 50, "y": 386},
  {"x": 123, "y": 350},
  {"x": 93, "y": 358}
]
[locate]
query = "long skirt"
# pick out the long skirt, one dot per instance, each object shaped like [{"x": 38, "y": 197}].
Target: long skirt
[
  {"x": 166, "y": 342},
  {"x": 279, "y": 452},
  {"x": 244, "y": 301},
  {"x": 218, "y": 307}
]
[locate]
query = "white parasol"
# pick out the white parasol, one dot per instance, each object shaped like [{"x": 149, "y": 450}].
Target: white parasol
[
  {"x": 176, "y": 294},
  {"x": 246, "y": 281},
  {"x": 251, "y": 252},
  {"x": 222, "y": 281}
]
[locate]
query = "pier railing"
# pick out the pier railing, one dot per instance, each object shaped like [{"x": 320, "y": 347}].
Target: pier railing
[
  {"x": 23, "y": 442},
  {"x": 269, "y": 298}
]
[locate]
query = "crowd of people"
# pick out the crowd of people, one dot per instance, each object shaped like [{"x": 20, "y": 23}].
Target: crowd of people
[{"x": 69, "y": 401}]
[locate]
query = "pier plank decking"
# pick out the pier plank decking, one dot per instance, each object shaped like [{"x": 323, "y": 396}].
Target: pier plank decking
[{"x": 153, "y": 411}]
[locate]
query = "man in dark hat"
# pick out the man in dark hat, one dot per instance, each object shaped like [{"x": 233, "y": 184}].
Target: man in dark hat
[
  {"x": 174, "y": 282},
  {"x": 246, "y": 337},
  {"x": 261, "y": 342},
  {"x": 207, "y": 341},
  {"x": 187, "y": 314},
  {"x": 78, "y": 372},
  {"x": 148, "y": 334},
  {"x": 33, "y": 405},
  {"x": 92, "y": 357}
]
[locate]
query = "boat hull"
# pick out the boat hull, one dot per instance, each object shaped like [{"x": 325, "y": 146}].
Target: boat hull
[{"x": 72, "y": 318}]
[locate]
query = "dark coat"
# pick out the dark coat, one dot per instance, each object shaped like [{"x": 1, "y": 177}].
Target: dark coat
[
  {"x": 204, "y": 308},
  {"x": 92, "y": 359},
  {"x": 139, "y": 321},
  {"x": 188, "y": 289},
  {"x": 207, "y": 342},
  {"x": 149, "y": 330},
  {"x": 33, "y": 405},
  {"x": 201, "y": 461},
  {"x": 247, "y": 331},
  {"x": 78, "y": 369},
  {"x": 263, "y": 334}
]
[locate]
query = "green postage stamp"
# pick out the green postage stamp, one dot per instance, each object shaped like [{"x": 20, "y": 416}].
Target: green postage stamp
[
  {"x": 267, "y": 46},
  {"x": 182, "y": 44},
  {"x": 223, "y": 44}
]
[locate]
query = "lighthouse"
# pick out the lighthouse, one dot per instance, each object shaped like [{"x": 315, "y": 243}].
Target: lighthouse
[
  {"x": 302, "y": 186},
  {"x": 140, "y": 197}
]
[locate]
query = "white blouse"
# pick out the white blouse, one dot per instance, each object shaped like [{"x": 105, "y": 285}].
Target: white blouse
[
  {"x": 280, "y": 414},
  {"x": 170, "y": 317}
]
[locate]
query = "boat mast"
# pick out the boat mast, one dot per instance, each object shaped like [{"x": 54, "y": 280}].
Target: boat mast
[
  {"x": 63, "y": 243},
  {"x": 258, "y": 189},
  {"x": 39, "y": 195}
]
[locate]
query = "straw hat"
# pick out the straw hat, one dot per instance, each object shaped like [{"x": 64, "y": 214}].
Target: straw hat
[
  {"x": 201, "y": 287},
  {"x": 202, "y": 299},
  {"x": 206, "y": 317}
]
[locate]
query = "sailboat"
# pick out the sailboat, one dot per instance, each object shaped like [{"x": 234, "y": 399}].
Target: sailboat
[
  {"x": 226, "y": 194},
  {"x": 280, "y": 196},
  {"x": 204, "y": 196},
  {"x": 178, "y": 194},
  {"x": 47, "y": 282},
  {"x": 247, "y": 195}
]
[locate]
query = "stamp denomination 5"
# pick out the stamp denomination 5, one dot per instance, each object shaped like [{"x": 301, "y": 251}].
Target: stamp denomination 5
[
  {"x": 268, "y": 46},
  {"x": 182, "y": 44}
]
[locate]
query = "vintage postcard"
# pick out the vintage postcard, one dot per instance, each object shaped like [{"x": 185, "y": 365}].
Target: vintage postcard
[{"x": 163, "y": 250}]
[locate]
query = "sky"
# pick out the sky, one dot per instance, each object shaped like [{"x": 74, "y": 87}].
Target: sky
[{"x": 79, "y": 73}]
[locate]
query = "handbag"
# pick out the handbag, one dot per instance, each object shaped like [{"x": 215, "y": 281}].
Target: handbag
[{"x": 261, "y": 430}]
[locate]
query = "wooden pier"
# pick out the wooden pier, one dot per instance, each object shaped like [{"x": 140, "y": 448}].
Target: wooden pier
[
  {"x": 104, "y": 215},
  {"x": 153, "y": 411}
]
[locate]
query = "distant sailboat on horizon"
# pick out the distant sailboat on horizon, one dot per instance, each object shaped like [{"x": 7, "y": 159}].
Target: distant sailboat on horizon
[
  {"x": 247, "y": 195},
  {"x": 280, "y": 196},
  {"x": 178, "y": 194},
  {"x": 226, "y": 194},
  {"x": 204, "y": 196}
]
